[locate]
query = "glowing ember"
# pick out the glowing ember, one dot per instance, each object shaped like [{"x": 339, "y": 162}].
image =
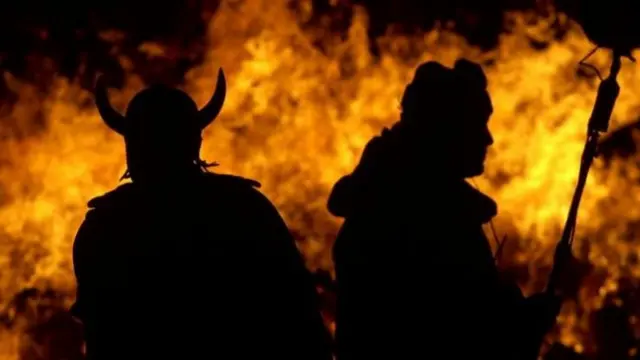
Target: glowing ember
[{"x": 297, "y": 118}]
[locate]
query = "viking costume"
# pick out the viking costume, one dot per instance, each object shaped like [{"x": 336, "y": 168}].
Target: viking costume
[{"x": 201, "y": 267}]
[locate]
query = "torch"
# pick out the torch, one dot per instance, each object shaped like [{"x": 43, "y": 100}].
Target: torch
[{"x": 609, "y": 24}]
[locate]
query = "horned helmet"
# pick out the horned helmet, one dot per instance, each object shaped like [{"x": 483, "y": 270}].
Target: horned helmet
[{"x": 162, "y": 126}]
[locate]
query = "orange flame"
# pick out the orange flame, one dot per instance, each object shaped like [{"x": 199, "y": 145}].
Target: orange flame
[{"x": 297, "y": 118}]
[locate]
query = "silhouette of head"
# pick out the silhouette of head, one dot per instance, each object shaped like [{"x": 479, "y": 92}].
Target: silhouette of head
[
  {"x": 162, "y": 129},
  {"x": 446, "y": 112}
]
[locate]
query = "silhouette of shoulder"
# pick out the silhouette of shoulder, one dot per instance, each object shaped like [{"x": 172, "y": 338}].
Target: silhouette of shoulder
[
  {"x": 97, "y": 220},
  {"x": 112, "y": 199},
  {"x": 236, "y": 187},
  {"x": 229, "y": 193},
  {"x": 352, "y": 189},
  {"x": 230, "y": 185},
  {"x": 243, "y": 192}
]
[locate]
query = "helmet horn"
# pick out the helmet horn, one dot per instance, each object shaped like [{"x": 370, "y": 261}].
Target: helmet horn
[
  {"x": 210, "y": 111},
  {"x": 109, "y": 115}
]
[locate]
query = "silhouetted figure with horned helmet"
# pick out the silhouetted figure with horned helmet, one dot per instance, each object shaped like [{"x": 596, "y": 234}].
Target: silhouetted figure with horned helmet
[
  {"x": 416, "y": 277},
  {"x": 182, "y": 263}
]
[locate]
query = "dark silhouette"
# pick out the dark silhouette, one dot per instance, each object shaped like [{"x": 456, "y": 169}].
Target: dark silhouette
[
  {"x": 182, "y": 263},
  {"x": 613, "y": 332},
  {"x": 611, "y": 24},
  {"x": 415, "y": 274}
]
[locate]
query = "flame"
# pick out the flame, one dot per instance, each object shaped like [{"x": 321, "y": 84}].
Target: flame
[{"x": 297, "y": 118}]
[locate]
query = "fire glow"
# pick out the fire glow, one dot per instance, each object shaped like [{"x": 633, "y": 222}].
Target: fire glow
[{"x": 297, "y": 118}]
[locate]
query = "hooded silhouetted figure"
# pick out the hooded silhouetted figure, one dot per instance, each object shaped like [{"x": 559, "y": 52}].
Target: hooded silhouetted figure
[
  {"x": 415, "y": 273},
  {"x": 181, "y": 263}
]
